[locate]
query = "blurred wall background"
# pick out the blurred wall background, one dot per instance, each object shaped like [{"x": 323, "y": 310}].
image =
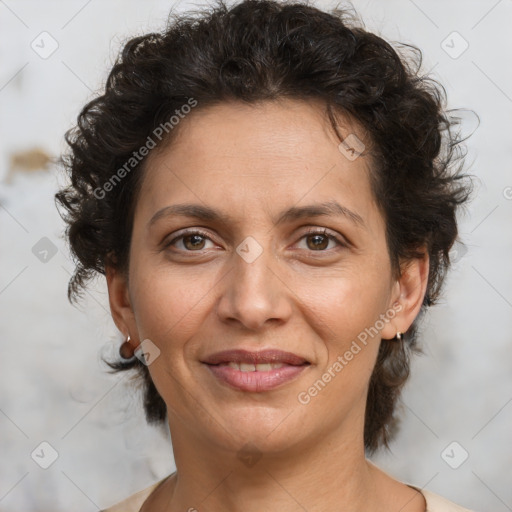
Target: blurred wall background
[{"x": 457, "y": 408}]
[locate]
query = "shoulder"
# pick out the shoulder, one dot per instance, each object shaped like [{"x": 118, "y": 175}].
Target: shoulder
[
  {"x": 135, "y": 501},
  {"x": 436, "y": 503}
]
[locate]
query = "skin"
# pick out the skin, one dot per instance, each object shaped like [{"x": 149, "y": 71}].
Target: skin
[{"x": 198, "y": 296}]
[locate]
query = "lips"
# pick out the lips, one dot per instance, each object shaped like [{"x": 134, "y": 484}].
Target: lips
[
  {"x": 248, "y": 357},
  {"x": 255, "y": 371}
]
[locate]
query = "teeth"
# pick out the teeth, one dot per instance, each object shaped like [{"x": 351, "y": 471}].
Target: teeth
[
  {"x": 249, "y": 367},
  {"x": 264, "y": 367}
]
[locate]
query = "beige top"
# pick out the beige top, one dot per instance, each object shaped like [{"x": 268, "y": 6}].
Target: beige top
[{"x": 435, "y": 503}]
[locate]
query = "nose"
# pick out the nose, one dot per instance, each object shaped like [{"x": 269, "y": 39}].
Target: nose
[{"x": 254, "y": 293}]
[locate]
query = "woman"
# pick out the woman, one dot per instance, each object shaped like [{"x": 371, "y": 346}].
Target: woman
[{"x": 271, "y": 193}]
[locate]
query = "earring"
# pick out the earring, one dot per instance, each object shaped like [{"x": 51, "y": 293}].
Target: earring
[
  {"x": 126, "y": 351},
  {"x": 398, "y": 336}
]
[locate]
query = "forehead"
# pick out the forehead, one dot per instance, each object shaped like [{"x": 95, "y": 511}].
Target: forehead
[
  {"x": 255, "y": 131},
  {"x": 240, "y": 157}
]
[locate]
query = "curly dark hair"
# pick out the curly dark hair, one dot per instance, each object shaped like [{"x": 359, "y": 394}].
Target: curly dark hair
[{"x": 260, "y": 50}]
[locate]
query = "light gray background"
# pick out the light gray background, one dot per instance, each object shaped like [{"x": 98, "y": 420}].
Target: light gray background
[{"x": 54, "y": 387}]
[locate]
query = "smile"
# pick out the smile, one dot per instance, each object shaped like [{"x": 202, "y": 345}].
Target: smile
[
  {"x": 249, "y": 367},
  {"x": 255, "y": 377}
]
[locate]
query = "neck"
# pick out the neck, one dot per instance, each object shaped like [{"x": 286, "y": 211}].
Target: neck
[{"x": 330, "y": 474}]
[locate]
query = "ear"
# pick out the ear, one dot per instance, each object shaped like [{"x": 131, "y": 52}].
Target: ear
[
  {"x": 120, "y": 304},
  {"x": 408, "y": 294}
]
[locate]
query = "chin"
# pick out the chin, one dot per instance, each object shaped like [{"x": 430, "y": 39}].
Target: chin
[{"x": 261, "y": 429}]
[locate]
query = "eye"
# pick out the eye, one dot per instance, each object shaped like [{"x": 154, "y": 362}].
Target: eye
[
  {"x": 194, "y": 241},
  {"x": 320, "y": 240},
  {"x": 191, "y": 240}
]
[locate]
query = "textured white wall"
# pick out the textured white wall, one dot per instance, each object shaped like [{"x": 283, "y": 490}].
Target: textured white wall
[{"x": 55, "y": 389}]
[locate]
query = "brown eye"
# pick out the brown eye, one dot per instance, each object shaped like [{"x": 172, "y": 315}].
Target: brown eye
[
  {"x": 193, "y": 241},
  {"x": 196, "y": 241},
  {"x": 318, "y": 240}
]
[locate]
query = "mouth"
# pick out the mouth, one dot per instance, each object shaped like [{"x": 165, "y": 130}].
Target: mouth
[
  {"x": 241, "y": 356},
  {"x": 259, "y": 367},
  {"x": 255, "y": 371}
]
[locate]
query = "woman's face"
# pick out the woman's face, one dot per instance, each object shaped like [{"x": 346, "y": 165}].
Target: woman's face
[{"x": 251, "y": 281}]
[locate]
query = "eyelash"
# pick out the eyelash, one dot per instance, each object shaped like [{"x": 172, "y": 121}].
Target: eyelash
[{"x": 310, "y": 232}]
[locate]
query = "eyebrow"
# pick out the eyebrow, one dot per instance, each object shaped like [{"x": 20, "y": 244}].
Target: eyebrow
[{"x": 205, "y": 213}]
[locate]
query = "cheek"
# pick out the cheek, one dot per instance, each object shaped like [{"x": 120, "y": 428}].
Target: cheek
[
  {"x": 342, "y": 315},
  {"x": 169, "y": 303},
  {"x": 343, "y": 311},
  {"x": 345, "y": 303}
]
